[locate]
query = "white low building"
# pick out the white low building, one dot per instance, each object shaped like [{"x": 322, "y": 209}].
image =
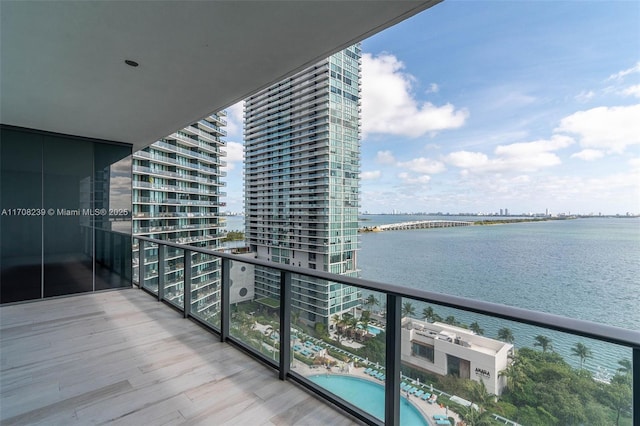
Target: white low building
[{"x": 447, "y": 350}]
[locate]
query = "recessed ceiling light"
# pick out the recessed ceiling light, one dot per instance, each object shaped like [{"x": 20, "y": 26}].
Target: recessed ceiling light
[{"x": 131, "y": 63}]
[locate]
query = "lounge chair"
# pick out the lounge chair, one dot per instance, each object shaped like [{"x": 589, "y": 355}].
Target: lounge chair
[
  {"x": 440, "y": 417},
  {"x": 419, "y": 393},
  {"x": 426, "y": 396},
  {"x": 443, "y": 422}
]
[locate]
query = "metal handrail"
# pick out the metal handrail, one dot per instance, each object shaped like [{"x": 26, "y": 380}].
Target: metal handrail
[{"x": 589, "y": 329}]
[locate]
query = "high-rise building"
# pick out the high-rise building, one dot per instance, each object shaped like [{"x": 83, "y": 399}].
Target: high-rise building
[
  {"x": 176, "y": 197},
  {"x": 302, "y": 163}
]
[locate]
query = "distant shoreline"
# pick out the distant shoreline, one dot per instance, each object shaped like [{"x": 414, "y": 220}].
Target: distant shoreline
[
  {"x": 486, "y": 222},
  {"x": 520, "y": 220}
]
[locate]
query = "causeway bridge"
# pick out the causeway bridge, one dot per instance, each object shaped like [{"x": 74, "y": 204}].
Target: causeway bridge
[{"x": 419, "y": 224}]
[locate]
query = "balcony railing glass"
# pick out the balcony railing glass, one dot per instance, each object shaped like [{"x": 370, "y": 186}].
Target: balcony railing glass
[{"x": 386, "y": 341}]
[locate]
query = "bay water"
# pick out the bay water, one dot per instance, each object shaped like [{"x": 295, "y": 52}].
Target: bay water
[{"x": 584, "y": 268}]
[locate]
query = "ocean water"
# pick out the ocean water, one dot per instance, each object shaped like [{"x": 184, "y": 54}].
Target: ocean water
[
  {"x": 581, "y": 268},
  {"x": 586, "y": 268}
]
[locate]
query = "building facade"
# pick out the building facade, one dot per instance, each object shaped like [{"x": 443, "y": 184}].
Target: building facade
[
  {"x": 302, "y": 167},
  {"x": 176, "y": 197},
  {"x": 447, "y": 350}
]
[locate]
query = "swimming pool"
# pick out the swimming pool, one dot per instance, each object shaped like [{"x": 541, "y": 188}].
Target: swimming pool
[
  {"x": 369, "y": 396},
  {"x": 374, "y": 330}
]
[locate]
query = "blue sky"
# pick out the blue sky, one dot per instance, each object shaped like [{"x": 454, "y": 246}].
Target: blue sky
[{"x": 481, "y": 106}]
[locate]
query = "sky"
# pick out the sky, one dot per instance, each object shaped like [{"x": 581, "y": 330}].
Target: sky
[{"x": 473, "y": 107}]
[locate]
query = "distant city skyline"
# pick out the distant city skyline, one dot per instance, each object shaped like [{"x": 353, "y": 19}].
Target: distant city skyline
[{"x": 472, "y": 106}]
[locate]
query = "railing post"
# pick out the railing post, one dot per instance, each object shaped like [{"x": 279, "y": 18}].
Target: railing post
[
  {"x": 285, "y": 324},
  {"x": 392, "y": 361},
  {"x": 161, "y": 255},
  {"x": 225, "y": 304},
  {"x": 635, "y": 366},
  {"x": 140, "y": 264},
  {"x": 187, "y": 283}
]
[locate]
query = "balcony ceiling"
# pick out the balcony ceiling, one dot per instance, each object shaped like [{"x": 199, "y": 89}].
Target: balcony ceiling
[{"x": 63, "y": 70}]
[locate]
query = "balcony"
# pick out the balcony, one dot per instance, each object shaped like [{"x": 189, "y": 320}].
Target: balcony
[{"x": 115, "y": 355}]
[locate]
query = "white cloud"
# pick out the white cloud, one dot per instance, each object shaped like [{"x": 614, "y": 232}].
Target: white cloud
[
  {"x": 389, "y": 105},
  {"x": 508, "y": 97},
  {"x": 385, "y": 157},
  {"x": 235, "y": 154},
  {"x": 588, "y": 154},
  {"x": 372, "y": 175},
  {"x": 632, "y": 91},
  {"x": 467, "y": 159},
  {"x": 525, "y": 149},
  {"x": 611, "y": 129},
  {"x": 585, "y": 96},
  {"x": 517, "y": 157},
  {"x": 433, "y": 88},
  {"x": 410, "y": 180},
  {"x": 235, "y": 120},
  {"x": 423, "y": 165},
  {"x": 620, "y": 75}
]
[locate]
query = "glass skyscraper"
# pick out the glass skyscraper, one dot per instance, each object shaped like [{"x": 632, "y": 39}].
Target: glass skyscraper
[
  {"x": 302, "y": 167},
  {"x": 176, "y": 197}
]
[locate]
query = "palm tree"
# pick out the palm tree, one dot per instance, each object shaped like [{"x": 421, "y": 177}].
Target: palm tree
[
  {"x": 451, "y": 320},
  {"x": 335, "y": 319},
  {"x": 408, "y": 310},
  {"x": 371, "y": 301},
  {"x": 581, "y": 351},
  {"x": 506, "y": 335},
  {"x": 475, "y": 327},
  {"x": 625, "y": 366},
  {"x": 428, "y": 314},
  {"x": 482, "y": 398},
  {"x": 480, "y": 395},
  {"x": 516, "y": 372},
  {"x": 365, "y": 319},
  {"x": 544, "y": 342}
]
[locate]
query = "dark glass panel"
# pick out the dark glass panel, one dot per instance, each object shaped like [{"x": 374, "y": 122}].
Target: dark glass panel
[
  {"x": 112, "y": 218},
  {"x": 68, "y": 235},
  {"x": 21, "y": 242}
]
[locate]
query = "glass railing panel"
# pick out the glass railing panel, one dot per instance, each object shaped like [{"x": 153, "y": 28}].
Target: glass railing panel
[
  {"x": 254, "y": 297},
  {"x": 466, "y": 367},
  {"x": 206, "y": 280},
  {"x": 135, "y": 270},
  {"x": 338, "y": 341},
  {"x": 150, "y": 279},
  {"x": 173, "y": 289}
]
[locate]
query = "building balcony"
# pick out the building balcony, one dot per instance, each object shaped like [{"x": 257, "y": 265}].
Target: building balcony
[
  {"x": 115, "y": 355},
  {"x": 292, "y": 349}
]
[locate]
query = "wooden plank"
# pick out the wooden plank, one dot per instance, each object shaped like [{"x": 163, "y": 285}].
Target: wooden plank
[{"x": 121, "y": 357}]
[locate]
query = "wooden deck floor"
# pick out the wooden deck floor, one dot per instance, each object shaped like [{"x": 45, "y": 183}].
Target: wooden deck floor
[{"x": 120, "y": 357}]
